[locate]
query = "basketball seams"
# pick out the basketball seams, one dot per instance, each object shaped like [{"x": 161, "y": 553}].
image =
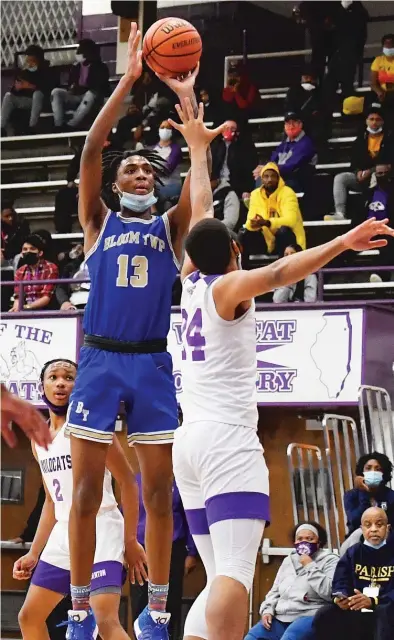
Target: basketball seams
[
  {"x": 162, "y": 21},
  {"x": 178, "y": 55},
  {"x": 174, "y": 35}
]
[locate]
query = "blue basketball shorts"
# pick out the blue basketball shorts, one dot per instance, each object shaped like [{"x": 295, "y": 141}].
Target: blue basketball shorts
[{"x": 144, "y": 382}]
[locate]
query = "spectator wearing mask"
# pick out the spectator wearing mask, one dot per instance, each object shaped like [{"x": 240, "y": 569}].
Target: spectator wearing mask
[
  {"x": 33, "y": 266},
  {"x": 233, "y": 158},
  {"x": 87, "y": 86},
  {"x": 226, "y": 203},
  {"x": 14, "y": 231},
  {"x": 304, "y": 98},
  {"x": 351, "y": 33},
  {"x": 371, "y": 146},
  {"x": 382, "y": 76},
  {"x": 303, "y": 291},
  {"x": 302, "y": 586},
  {"x": 296, "y": 156},
  {"x": 183, "y": 561},
  {"x": 274, "y": 218},
  {"x": 71, "y": 297},
  {"x": 171, "y": 152},
  {"x": 240, "y": 95},
  {"x": 30, "y": 87},
  {"x": 363, "y": 587},
  {"x": 372, "y": 475}
]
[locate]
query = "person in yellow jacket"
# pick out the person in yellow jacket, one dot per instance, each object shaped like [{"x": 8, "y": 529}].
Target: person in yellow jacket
[{"x": 274, "y": 219}]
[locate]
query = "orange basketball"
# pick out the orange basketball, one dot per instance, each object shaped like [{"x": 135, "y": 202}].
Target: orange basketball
[{"x": 172, "y": 46}]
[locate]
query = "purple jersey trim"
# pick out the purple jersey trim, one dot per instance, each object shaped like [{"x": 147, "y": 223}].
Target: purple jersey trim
[{"x": 249, "y": 505}]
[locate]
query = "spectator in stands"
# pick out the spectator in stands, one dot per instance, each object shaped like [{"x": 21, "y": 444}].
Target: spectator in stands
[
  {"x": 304, "y": 98},
  {"x": 212, "y": 109},
  {"x": 87, "y": 86},
  {"x": 302, "y": 586},
  {"x": 74, "y": 296},
  {"x": 130, "y": 130},
  {"x": 274, "y": 218},
  {"x": 303, "y": 291},
  {"x": 371, "y": 147},
  {"x": 234, "y": 157},
  {"x": 153, "y": 100},
  {"x": 382, "y": 75},
  {"x": 183, "y": 561},
  {"x": 171, "y": 152},
  {"x": 318, "y": 17},
  {"x": 372, "y": 475},
  {"x": 35, "y": 267},
  {"x": 14, "y": 231},
  {"x": 350, "y": 34},
  {"x": 226, "y": 203},
  {"x": 380, "y": 204},
  {"x": 363, "y": 582},
  {"x": 240, "y": 95},
  {"x": 30, "y": 87}
]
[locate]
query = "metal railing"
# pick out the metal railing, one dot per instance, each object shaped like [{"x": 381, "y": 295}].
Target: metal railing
[{"x": 377, "y": 419}]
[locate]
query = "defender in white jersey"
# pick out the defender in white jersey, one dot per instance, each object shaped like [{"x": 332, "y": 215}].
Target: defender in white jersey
[
  {"x": 51, "y": 578},
  {"x": 218, "y": 460}
]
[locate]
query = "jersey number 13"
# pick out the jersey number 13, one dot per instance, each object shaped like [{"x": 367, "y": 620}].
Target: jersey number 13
[{"x": 140, "y": 277}]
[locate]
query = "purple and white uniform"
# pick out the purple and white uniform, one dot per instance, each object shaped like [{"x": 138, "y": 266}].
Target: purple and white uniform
[
  {"x": 53, "y": 569},
  {"x": 218, "y": 459}
]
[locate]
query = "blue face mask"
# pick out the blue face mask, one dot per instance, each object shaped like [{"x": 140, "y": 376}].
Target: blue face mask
[
  {"x": 388, "y": 51},
  {"x": 373, "y": 478},
  {"x": 137, "y": 203},
  {"x": 375, "y": 546}
]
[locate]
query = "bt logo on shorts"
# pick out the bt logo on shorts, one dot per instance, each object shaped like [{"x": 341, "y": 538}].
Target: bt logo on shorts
[{"x": 80, "y": 409}]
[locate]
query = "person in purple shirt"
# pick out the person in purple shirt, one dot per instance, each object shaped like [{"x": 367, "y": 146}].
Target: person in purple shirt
[
  {"x": 183, "y": 561},
  {"x": 171, "y": 153}
]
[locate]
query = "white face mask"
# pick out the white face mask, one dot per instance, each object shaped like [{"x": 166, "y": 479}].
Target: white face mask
[
  {"x": 374, "y": 131},
  {"x": 165, "y": 134},
  {"x": 308, "y": 86},
  {"x": 79, "y": 57},
  {"x": 135, "y": 202},
  {"x": 388, "y": 51},
  {"x": 32, "y": 69},
  {"x": 346, "y": 4}
]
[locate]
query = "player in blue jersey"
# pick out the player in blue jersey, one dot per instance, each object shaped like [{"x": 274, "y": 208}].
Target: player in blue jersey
[{"x": 133, "y": 258}]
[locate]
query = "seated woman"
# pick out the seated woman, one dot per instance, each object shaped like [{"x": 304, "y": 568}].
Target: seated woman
[
  {"x": 303, "y": 291},
  {"x": 171, "y": 152},
  {"x": 302, "y": 585},
  {"x": 373, "y": 473},
  {"x": 382, "y": 74}
]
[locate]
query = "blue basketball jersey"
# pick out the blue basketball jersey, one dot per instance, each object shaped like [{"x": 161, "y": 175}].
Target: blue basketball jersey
[{"x": 132, "y": 268}]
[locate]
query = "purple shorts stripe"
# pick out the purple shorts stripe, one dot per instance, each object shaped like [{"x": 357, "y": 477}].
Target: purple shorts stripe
[
  {"x": 105, "y": 574},
  {"x": 50, "y": 577},
  {"x": 238, "y": 505},
  {"x": 197, "y": 521}
]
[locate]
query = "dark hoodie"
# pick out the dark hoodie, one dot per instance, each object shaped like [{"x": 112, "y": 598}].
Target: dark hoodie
[{"x": 42, "y": 80}]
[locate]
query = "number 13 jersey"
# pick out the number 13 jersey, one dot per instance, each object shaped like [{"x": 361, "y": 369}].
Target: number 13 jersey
[
  {"x": 132, "y": 268},
  {"x": 219, "y": 361}
]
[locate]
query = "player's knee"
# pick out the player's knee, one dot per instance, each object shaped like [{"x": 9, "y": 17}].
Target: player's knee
[
  {"x": 157, "y": 496},
  {"x": 242, "y": 571},
  {"x": 27, "y": 616},
  {"x": 87, "y": 496}
]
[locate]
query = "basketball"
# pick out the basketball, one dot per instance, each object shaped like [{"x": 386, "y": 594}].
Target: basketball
[{"x": 172, "y": 47}]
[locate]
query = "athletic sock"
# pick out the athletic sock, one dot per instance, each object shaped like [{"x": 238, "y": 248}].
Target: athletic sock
[
  {"x": 157, "y": 596},
  {"x": 80, "y": 597}
]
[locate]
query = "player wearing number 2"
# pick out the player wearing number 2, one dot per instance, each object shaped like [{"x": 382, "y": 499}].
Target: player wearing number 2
[
  {"x": 116, "y": 537},
  {"x": 218, "y": 460},
  {"x": 133, "y": 259}
]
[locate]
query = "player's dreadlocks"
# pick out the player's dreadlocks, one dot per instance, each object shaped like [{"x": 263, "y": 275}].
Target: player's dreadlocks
[{"x": 112, "y": 161}]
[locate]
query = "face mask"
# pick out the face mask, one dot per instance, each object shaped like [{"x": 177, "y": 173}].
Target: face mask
[
  {"x": 165, "y": 134},
  {"x": 75, "y": 253},
  {"x": 32, "y": 68},
  {"x": 374, "y": 131},
  {"x": 229, "y": 135},
  {"x": 30, "y": 258},
  {"x": 373, "y": 478},
  {"x": 308, "y": 86},
  {"x": 58, "y": 411},
  {"x": 137, "y": 203},
  {"x": 346, "y": 4},
  {"x": 375, "y": 546},
  {"x": 292, "y": 131},
  {"x": 80, "y": 57},
  {"x": 306, "y": 548},
  {"x": 388, "y": 51}
]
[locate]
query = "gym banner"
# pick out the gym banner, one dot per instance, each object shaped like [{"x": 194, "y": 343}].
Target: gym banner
[
  {"x": 27, "y": 344},
  {"x": 305, "y": 356}
]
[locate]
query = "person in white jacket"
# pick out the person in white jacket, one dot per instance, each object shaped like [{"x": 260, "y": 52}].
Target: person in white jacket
[{"x": 302, "y": 585}]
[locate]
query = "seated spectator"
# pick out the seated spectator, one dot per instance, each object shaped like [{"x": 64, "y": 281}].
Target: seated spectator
[
  {"x": 240, "y": 94},
  {"x": 153, "y": 100},
  {"x": 296, "y": 156},
  {"x": 274, "y": 218},
  {"x": 226, "y": 203},
  {"x": 130, "y": 130},
  {"x": 74, "y": 296},
  {"x": 372, "y": 475},
  {"x": 302, "y": 586},
  {"x": 212, "y": 108},
  {"x": 14, "y": 231},
  {"x": 35, "y": 267},
  {"x": 370, "y": 148},
  {"x": 381, "y": 205},
  {"x": 30, "y": 87},
  {"x": 87, "y": 86},
  {"x": 171, "y": 152},
  {"x": 233, "y": 158},
  {"x": 303, "y": 291},
  {"x": 305, "y": 98},
  {"x": 363, "y": 582},
  {"x": 382, "y": 74}
]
